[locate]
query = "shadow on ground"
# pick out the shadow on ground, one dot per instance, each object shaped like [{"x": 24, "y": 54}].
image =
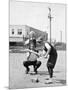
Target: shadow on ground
[{"x": 45, "y": 72}]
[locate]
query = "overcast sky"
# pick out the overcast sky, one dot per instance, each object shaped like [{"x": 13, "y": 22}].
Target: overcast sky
[{"x": 36, "y": 15}]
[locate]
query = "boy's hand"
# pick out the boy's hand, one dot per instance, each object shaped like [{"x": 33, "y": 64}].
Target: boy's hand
[
  {"x": 45, "y": 56},
  {"x": 39, "y": 54}
]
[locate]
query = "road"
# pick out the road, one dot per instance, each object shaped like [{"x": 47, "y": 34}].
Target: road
[{"x": 19, "y": 80}]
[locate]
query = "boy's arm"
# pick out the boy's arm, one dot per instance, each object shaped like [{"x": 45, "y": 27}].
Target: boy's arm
[
  {"x": 47, "y": 53},
  {"x": 27, "y": 50},
  {"x": 34, "y": 52},
  {"x": 48, "y": 49}
]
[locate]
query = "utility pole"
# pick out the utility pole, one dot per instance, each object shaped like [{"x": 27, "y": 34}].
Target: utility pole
[{"x": 50, "y": 19}]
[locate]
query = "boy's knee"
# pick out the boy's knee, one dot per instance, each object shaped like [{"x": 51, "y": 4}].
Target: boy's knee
[
  {"x": 38, "y": 63},
  {"x": 50, "y": 65},
  {"x": 25, "y": 63}
]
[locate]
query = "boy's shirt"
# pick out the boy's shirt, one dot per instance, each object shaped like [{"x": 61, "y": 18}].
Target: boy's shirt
[
  {"x": 32, "y": 56},
  {"x": 52, "y": 50},
  {"x": 47, "y": 47}
]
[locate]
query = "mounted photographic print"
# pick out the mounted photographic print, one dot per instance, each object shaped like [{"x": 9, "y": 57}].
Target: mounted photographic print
[{"x": 37, "y": 44}]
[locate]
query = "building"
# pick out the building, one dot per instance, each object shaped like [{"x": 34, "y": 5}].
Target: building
[{"x": 18, "y": 32}]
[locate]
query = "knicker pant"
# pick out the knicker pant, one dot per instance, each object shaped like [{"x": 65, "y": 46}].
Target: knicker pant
[{"x": 36, "y": 64}]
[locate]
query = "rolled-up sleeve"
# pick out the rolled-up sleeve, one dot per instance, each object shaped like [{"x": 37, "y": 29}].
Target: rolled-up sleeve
[{"x": 47, "y": 46}]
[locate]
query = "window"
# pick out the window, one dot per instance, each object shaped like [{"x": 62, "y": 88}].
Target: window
[
  {"x": 12, "y": 31},
  {"x": 19, "y": 31}
]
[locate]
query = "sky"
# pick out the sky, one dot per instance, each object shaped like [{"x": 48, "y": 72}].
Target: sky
[{"x": 36, "y": 15}]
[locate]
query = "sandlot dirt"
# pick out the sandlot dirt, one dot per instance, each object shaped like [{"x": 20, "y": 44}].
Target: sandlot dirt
[{"x": 19, "y": 80}]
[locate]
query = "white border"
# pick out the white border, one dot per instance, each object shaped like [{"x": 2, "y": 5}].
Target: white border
[{"x": 4, "y": 46}]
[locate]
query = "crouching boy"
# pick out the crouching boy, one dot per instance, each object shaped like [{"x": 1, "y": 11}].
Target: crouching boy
[{"x": 32, "y": 59}]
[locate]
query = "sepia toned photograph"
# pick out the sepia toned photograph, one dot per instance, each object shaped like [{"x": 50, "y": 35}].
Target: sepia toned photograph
[{"x": 37, "y": 44}]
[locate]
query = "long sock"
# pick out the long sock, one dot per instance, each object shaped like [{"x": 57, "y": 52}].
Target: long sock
[{"x": 50, "y": 70}]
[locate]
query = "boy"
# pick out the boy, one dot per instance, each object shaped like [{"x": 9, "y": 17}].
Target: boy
[
  {"x": 51, "y": 51},
  {"x": 32, "y": 56}
]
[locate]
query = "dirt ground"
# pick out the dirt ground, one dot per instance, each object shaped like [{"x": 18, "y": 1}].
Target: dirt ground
[{"x": 19, "y": 80}]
